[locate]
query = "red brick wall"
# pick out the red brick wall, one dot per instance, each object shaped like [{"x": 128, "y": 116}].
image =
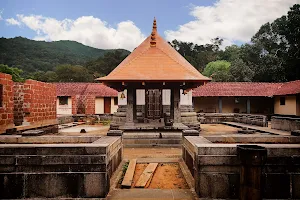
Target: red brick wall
[
  {"x": 74, "y": 104},
  {"x": 18, "y": 103},
  {"x": 83, "y": 104},
  {"x": 39, "y": 103},
  {"x": 89, "y": 105},
  {"x": 6, "y": 110}
]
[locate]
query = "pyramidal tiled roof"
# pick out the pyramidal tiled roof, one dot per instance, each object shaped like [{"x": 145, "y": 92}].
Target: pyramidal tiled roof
[{"x": 155, "y": 60}]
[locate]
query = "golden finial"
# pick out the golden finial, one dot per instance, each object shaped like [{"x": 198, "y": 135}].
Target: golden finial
[{"x": 153, "y": 34}]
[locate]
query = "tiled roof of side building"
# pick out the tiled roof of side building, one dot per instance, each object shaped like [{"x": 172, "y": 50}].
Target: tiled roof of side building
[
  {"x": 94, "y": 89},
  {"x": 292, "y": 87},
  {"x": 155, "y": 60},
  {"x": 237, "y": 89}
]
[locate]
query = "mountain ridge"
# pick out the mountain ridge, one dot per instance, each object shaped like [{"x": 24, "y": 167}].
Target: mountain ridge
[{"x": 31, "y": 55}]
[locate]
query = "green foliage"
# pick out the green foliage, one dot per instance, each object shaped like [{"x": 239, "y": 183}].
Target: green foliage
[
  {"x": 32, "y": 56},
  {"x": 14, "y": 72},
  {"x": 124, "y": 169},
  {"x": 104, "y": 65},
  {"x": 240, "y": 72},
  {"x": 277, "y": 48},
  {"x": 73, "y": 73},
  {"x": 230, "y": 53},
  {"x": 198, "y": 55},
  {"x": 218, "y": 70},
  {"x": 105, "y": 122}
]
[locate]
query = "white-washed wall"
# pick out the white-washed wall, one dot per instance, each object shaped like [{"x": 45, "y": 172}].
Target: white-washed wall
[
  {"x": 99, "y": 105},
  {"x": 140, "y": 97},
  {"x": 64, "y": 109},
  {"x": 113, "y": 107},
  {"x": 186, "y": 99},
  {"x": 124, "y": 100},
  {"x": 166, "y": 97}
]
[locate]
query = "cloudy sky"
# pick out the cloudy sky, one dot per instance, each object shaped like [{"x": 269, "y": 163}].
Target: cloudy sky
[{"x": 125, "y": 24}]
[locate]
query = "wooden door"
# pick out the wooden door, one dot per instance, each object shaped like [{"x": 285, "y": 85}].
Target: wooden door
[
  {"x": 107, "y": 105},
  {"x": 153, "y": 104}
]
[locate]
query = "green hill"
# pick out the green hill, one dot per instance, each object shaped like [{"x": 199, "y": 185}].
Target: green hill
[{"x": 31, "y": 55}]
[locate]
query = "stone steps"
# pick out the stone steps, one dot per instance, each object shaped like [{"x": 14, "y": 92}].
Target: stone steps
[{"x": 152, "y": 139}]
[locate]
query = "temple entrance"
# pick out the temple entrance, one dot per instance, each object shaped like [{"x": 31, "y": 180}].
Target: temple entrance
[{"x": 153, "y": 103}]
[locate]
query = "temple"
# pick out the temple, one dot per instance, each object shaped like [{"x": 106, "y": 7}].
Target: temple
[{"x": 154, "y": 87}]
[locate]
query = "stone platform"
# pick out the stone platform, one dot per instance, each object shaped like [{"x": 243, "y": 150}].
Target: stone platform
[
  {"x": 153, "y": 126},
  {"x": 57, "y": 166},
  {"x": 215, "y": 165},
  {"x": 156, "y": 138}
]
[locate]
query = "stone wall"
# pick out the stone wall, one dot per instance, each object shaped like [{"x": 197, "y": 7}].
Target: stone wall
[
  {"x": 58, "y": 170},
  {"x": 6, "y": 102},
  {"x": 216, "y": 167},
  {"x": 216, "y": 118},
  {"x": 285, "y": 123}
]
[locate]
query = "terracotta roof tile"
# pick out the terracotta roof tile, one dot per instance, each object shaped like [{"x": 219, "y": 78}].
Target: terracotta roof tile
[
  {"x": 237, "y": 89},
  {"x": 95, "y": 89},
  {"x": 292, "y": 87},
  {"x": 159, "y": 62}
]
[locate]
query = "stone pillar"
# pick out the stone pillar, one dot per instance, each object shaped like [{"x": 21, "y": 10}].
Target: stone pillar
[
  {"x": 248, "y": 105},
  {"x": 175, "y": 108},
  {"x": 134, "y": 104},
  {"x": 172, "y": 104},
  {"x": 129, "y": 113},
  {"x": 220, "y": 105}
]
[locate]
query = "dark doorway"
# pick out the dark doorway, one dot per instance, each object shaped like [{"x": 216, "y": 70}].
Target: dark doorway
[
  {"x": 153, "y": 103},
  {"x": 107, "y": 105}
]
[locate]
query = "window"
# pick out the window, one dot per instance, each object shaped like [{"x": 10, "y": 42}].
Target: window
[
  {"x": 63, "y": 100},
  {"x": 1, "y": 95},
  {"x": 115, "y": 101},
  {"x": 282, "y": 101}
]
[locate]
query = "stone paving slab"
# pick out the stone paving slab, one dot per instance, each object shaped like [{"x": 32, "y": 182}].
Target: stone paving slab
[
  {"x": 258, "y": 128},
  {"x": 133, "y": 194}
]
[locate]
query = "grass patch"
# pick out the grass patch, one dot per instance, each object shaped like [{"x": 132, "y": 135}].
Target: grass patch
[
  {"x": 124, "y": 169},
  {"x": 105, "y": 122}
]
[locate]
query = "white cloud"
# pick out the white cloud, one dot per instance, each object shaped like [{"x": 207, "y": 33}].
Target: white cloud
[
  {"x": 88, "y": 30},
  {"x": 12, "y": 21},
  {"x": 232, "y": 20},
  {"x": 1, "y": 11}
]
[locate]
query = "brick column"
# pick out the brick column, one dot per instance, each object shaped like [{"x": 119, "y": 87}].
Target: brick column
[{"x": 7, "y": 103}]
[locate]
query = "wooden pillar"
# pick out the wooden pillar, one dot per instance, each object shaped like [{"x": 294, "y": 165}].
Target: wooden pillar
[
  {"x": 220, "y": 105},
  {"x": 129, "y": 112},
  {"x": 248, "y": 106}
]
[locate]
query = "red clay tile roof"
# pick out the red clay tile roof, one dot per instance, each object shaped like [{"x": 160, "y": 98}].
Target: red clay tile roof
[
  {"x": 94, "y": 89},
  {"x": 157, "y": 61},
  {"x": 237, "y": 89},
  {"x": 292, "y": 87}
]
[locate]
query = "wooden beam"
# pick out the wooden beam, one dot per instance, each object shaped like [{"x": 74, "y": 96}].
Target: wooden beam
[
  {"x": 146, "y": 175},
  {"x": 128, "y": 178}
]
